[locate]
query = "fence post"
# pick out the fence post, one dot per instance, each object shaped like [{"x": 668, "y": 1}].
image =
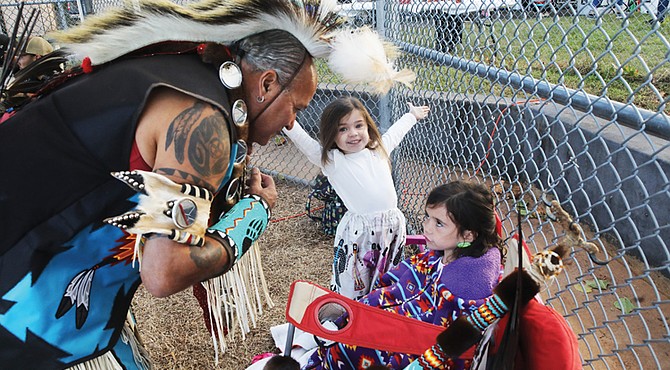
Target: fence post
[{"x": 384, "y": 102}]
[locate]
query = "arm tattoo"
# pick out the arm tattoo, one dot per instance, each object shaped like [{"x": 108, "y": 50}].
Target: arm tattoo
[
  {"x": 180, "y": 127},
  {"x": 206, "y": 149},
  {"x": 190, "y": 178},
  {"x": 207, "y": 255}
]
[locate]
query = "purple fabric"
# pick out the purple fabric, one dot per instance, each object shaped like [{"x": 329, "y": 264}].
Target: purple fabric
[
  {"x": 419, "y": 289},
  {"x": 458, "y": 275}
]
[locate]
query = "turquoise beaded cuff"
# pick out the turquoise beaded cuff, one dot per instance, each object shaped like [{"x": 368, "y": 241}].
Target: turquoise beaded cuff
[{"x": 242, "y": 225}]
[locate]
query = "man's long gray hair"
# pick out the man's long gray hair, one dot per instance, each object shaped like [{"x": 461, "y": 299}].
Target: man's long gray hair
[{"x": 274, "y": 49}]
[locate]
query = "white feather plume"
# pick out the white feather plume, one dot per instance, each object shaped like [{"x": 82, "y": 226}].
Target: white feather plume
[
  {"x": 142, "y": 23},
  {"x": 360, "y": 56}
]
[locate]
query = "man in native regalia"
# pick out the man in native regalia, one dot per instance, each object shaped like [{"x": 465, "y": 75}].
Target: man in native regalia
[{"x": 168, "y": 100}]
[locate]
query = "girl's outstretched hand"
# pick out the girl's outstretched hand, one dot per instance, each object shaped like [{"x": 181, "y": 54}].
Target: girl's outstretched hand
[{"x": 420, "y": 112}]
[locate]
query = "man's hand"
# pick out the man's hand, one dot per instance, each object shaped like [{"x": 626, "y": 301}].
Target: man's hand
[{"x": 262, "y": 185}]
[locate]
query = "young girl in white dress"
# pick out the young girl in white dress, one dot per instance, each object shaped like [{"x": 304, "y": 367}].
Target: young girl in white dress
[{"x": 355, "y": 157}]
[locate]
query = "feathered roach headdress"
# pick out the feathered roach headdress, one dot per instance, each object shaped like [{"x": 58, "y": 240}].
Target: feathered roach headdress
[{"x": 359, "y": 56}]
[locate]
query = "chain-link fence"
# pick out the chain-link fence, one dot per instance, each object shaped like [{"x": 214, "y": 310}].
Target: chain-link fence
[{"x": 558, "y": 98}]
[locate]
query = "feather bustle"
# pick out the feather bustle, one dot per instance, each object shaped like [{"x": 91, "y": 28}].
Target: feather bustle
[
  {"x": 118, "y": 32},
  {"x": 142, "y": 23}
]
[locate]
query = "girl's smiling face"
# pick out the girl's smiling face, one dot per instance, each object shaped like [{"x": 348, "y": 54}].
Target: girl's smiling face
[{"x": 352, "y": 133}]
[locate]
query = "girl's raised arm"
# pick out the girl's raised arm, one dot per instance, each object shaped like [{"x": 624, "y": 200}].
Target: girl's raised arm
[{"x": 305, "y": 143}]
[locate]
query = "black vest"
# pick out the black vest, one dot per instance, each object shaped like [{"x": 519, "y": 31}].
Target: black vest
[{"x": 56, "y": 155}]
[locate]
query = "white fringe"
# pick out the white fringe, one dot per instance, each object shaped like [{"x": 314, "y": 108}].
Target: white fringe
[
  {"x": 107, "y": 361},
  {"x": 235, "y": 299},
  {"x": 131, "y": 336},
  {"x": 138, "y": 250}
]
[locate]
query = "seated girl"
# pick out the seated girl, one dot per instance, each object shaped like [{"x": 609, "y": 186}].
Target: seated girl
[{"x": 453, "y": 277}]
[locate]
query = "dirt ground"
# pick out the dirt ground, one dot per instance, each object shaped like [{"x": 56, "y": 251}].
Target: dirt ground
[{"x": 293, "y": 248}]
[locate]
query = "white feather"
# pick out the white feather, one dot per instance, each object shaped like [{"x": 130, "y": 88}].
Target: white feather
[
  {"x": 327, "y": 6},
  {"x": 105, "y": 47},
  {"x": 360, "y": 56},
  {"x": 357, "y": 52},
  {"x": 152, "y": 28}
]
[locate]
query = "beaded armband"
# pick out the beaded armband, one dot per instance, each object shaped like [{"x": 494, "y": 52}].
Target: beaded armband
[
  {"x": 493, "y": 309},
  {"x": 433, "y": 358},
  {"x": 178, "y": 211},
  {"x": 242, "y": 225}
]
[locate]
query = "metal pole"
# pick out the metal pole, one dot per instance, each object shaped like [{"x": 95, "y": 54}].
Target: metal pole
[
  {"x": 80, "y": 7},
  {"x": 289, "y": 340},
  {"x": 657, "y": 123}
]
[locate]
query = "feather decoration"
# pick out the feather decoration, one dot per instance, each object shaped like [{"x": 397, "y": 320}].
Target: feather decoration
[
  {"x": 45, "y": 66},
  {"x": 17, "y": 44},
  {"x": 29, "y": 81},
  {"x": 505, "y": 356},
  {"x": 77, "y": 294},
  {"x": 360, "y": 57},
  {"x": 141, "y": 23}
]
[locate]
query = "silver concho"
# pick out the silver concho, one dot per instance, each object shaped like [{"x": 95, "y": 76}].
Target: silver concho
[
  {"x": 241, "y": 153},
  {"x": 184, "y": 212},
  {"x": 230, "y": 75},
  {"x": 239, "y": 112},
  {"x": 233, "y": 189}
]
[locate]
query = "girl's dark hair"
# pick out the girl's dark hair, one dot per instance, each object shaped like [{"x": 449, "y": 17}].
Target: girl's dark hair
[
  {"x": 280, "y": 362},
  {"x": 470, "y": 207},
  {"x": 330, "y": 120}
]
